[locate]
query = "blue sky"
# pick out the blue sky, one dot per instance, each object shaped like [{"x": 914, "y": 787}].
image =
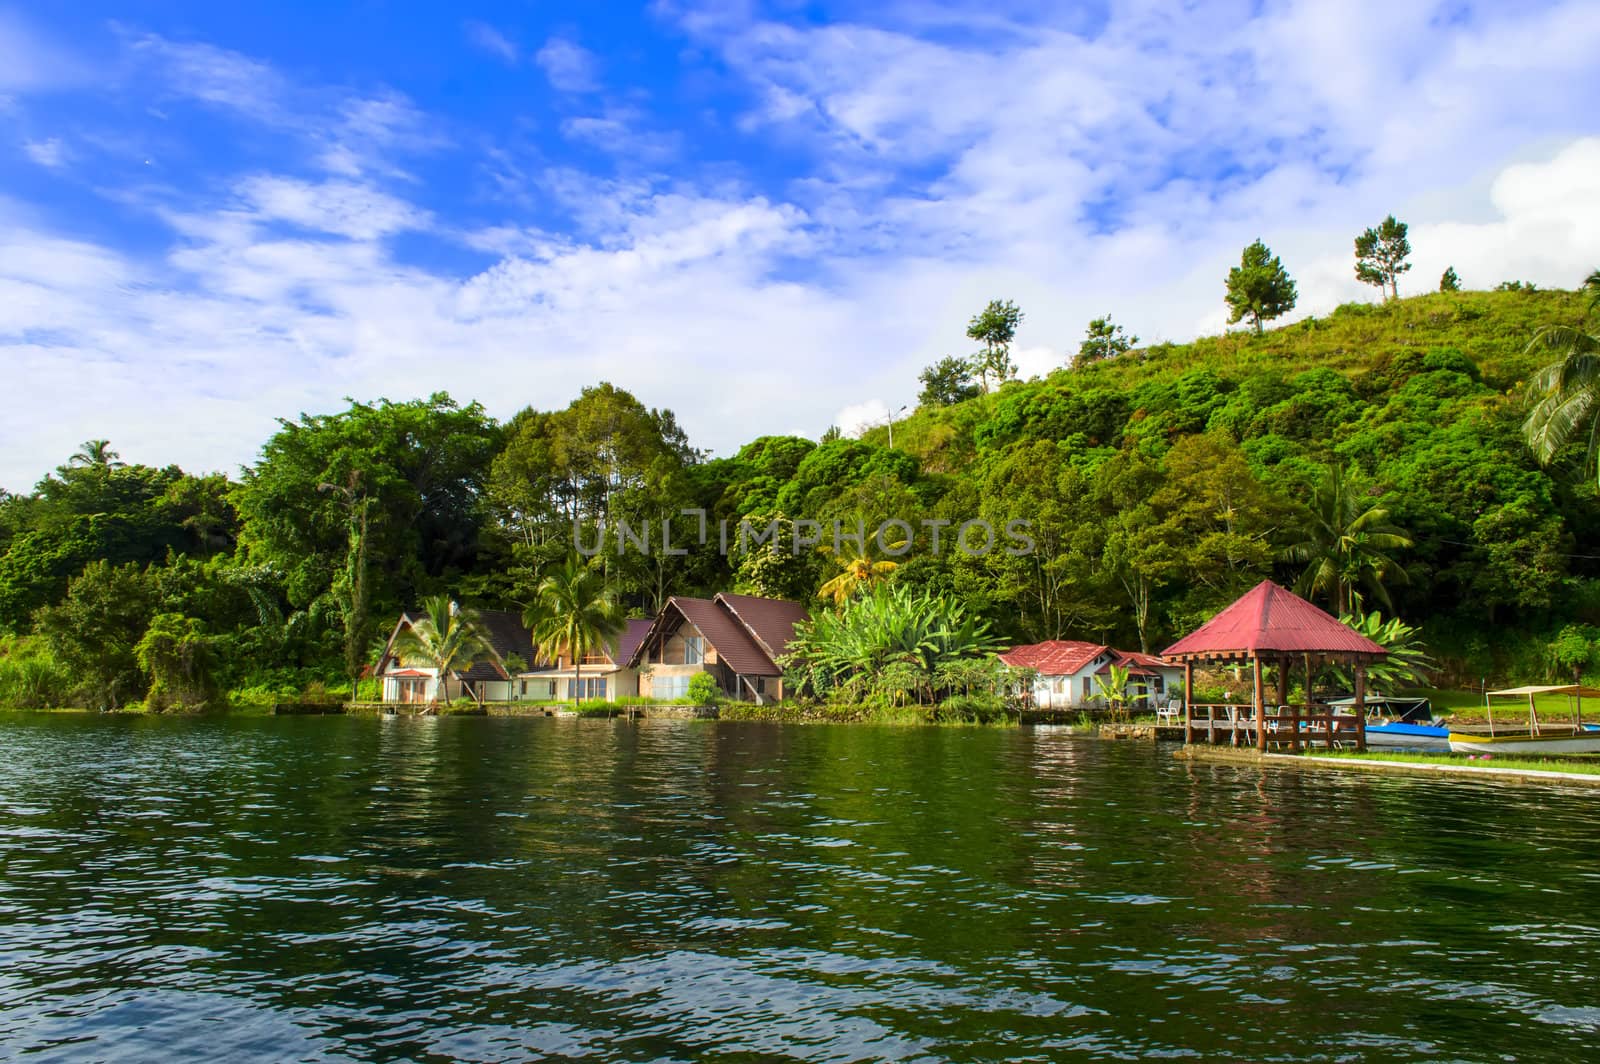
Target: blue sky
[{"x": 768, "y": 217}]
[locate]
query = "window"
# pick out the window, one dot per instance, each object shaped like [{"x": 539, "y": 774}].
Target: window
[
  {"x": 669, "y": 686},
  {"x": 588, "y": 688},
  {"x": 694, "y": 649}
]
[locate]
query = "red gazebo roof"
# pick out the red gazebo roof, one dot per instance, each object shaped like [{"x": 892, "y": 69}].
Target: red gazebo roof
[{"x": 1268, "y": 621}]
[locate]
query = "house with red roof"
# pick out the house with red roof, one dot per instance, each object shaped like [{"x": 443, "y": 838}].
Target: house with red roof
[
  {"x": 738, "y": 639},
  {"x": 1067, "y": 671}
]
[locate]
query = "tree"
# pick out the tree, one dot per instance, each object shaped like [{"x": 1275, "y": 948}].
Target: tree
[
  {"x": 1407, "y": 663},
  {"x": 1566, "y": 393},
  {"x": 1381, "y": 255},
  {"x": 444, "y": 640},
  {"x": 1103, "y": 340},
  {"x": 1344, "y": 539},
  {"x": 859, "y": 572},
  {"x": 352, "y": 586},
  {"x": 995, "y": 327},
  {"x": 178, "y": 655},
  {"x": 95, "y": 454},
  {"x": 420, "y": 466},
  {"x": 572, "y": 614},
  {"x": 1112, "y": 688},
  {"x": 1574, "y": 651},
  {"x": 948, "y": 382},
  {"x": 1449, "y": 282},
  {"x": 1259, "y": 288},
  {"x": 97, "y": 628}
]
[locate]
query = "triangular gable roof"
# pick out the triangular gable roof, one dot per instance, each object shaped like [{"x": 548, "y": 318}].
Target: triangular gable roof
[
  {"x": 503, "y": 630},
  {"x": 735, "y": 642},
  {"x": 1269, "y": 620},
  {"x": 769, "y": 621}
]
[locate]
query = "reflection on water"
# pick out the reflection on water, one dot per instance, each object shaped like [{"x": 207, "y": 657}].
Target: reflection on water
[{"x": 320, "y": 889}]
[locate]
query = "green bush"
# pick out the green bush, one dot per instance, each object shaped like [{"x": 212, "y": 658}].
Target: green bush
[
  {"x": 31, "y": 677},
  {"x": 703, "y": 690}
]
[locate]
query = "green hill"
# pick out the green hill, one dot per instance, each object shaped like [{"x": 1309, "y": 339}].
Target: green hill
[{"x": 1419, "y": 397}]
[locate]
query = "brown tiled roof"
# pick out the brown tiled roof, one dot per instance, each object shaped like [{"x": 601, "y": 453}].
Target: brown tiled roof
[
  {"x": 501, "y": 629},
  {"x": 771, "y": 621},
  {"x": 736, "y": 645},
  {"x": 627, "y": 644},
  {"x": 1269, "y": 620}
]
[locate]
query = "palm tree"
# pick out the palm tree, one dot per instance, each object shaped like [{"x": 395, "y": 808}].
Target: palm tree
[
  {"x": 573, "y": 613},
  {"x": 1345, "y": 537},
  {"x": 443, "y": 640},
  {"x": 1113, "y": 688},
  {"x": 1566, "y": 393},
  {"x": 95, "y": 454},
  {"x": 859, "y": 572}
]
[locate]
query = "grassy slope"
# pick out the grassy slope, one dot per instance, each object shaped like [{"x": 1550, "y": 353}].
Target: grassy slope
[{"x": 1491, "y": 328}]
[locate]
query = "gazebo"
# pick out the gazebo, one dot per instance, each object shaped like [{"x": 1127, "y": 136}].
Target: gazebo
[{"x": 1269, "y": 625}]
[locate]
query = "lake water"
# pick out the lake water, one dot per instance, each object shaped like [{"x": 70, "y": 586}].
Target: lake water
[{"x": 507, "y": 889}]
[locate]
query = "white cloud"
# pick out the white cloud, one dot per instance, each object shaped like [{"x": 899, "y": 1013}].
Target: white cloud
[
  {"x": 567, "y": 65},
  {"x": 1077, "y": 175},
  {"x": 49, "y": 153},
  {"x": 217, "y": 76},
  {"x": 856, "y": 418},
  {"x": 341, "y": 207},
  {"x": 492, "y": 41},
  {"x": 616, "y": 132}
]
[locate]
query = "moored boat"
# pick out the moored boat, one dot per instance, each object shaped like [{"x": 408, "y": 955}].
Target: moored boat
[
  {"x": 1400, "y": 723},
  {"x": 1538, "y": 737}
]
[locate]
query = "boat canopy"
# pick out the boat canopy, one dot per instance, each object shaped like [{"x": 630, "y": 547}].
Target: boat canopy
[{"x": 1556, "y": 689}]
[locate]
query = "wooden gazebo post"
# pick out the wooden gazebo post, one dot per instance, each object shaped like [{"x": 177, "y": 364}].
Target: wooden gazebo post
[
  {"x": 1261, "y": 706},
  {"x": 1361, "y": 705},
  {"x": 1188, "y": 697}
]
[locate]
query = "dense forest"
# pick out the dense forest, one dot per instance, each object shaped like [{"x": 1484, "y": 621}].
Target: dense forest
[{"x": 1376, "y": 458}]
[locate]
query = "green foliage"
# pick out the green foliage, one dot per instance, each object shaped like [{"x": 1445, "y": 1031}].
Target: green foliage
[
  {"x": 370, "y": 507},
  {"x": 1381, "y": 254},
  {"x": 947, "y": 382},
  {"x": 178, "y": 656},
  {"x": 995, "y": 327},
  {"x": 1565, "y": 394},
  {"x": 573, "y": 613},
  {"x": 1448, "y": 281},
  {"x": 1574, "y": 652},
  {"x": 892, "y": 642},
  {"x": 445, "y": 640},
  {"x": 1103, "y": 340},
  {"x": 1345, "y": 540},
  {"x": 95, "y": 630},
  {"x": 1259, "y": 288},
  {"x": 30, "y": 676},
  {"x": 703, "y": 689},
  {"x": 1408, "y": 663}
]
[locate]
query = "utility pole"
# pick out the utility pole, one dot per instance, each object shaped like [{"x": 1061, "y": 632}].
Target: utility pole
[{"x": 902, "y": 410}]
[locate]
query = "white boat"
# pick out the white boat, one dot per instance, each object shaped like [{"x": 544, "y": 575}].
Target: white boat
[{"x": 1538, "y": 737}]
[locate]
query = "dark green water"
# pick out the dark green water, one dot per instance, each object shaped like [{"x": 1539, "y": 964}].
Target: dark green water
[{"x": 321, "y": 889}]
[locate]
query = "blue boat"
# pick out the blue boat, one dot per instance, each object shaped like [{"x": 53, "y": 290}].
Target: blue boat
[{"x": 1400, "y": 723}]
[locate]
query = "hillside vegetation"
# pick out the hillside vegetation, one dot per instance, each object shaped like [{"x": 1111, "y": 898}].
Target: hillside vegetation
[
  {"x": 1419, "y": 397},
  {"x": 1374, "y": 457}
]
